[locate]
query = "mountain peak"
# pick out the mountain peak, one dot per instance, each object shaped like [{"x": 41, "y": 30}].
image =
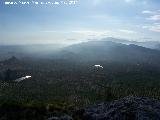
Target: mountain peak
[{"x": 13, "y": 59}]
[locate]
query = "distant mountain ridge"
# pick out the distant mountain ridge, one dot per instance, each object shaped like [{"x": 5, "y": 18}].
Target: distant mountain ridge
[
  {"x": 107, "y": 49},
  {"x": 111, "y": 51},
  {"x": 147, "y": 44}
]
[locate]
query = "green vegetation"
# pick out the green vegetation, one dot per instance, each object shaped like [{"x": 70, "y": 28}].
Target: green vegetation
[
  {"x": 80, "y": 83},
  {"x": 59, "y": 87}
]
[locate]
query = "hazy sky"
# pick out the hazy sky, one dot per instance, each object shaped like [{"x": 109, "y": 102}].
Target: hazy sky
[{"x": 87, "y": 19}]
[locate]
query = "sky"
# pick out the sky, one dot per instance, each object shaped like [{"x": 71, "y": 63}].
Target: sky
[{"x": 79, "y": 21}]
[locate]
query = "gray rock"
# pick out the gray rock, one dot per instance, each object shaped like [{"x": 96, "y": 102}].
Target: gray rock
[
  {"x": 66, "y": 117},
  {"x": 128, "y": 108},
  {"x": 53, "y": 118}
]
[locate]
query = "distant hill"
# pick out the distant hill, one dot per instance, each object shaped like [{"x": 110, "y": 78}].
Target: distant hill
[
  {"x": 147, "y": 44},
  {"x": 12, "y": 60},
  {"x": 107, "y": 49},
  {"x": 111, "y": 51},
  {"x": 33, "y": 51}
]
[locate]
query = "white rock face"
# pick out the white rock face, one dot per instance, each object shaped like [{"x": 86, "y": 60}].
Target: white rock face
[
  {"x": 28, "y": 77},
  {"x": 98, "y": 66},
  {"x": 22, "y": 78}
]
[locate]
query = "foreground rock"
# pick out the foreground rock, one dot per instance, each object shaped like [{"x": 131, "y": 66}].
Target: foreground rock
[
  {"x": 129, "y": 108},
  {"x": 61, "y": 118}
]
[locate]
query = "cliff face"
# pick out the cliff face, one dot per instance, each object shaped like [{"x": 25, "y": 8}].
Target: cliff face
[{"x": 129, "y": 108}]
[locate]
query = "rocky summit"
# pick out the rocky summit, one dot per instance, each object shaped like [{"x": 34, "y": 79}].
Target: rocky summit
[{"x": 128, "y": 108}]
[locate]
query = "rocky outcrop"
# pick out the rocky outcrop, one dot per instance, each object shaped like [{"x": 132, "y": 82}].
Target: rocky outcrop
[
  {"x": 128, "y": 108},
  {"x": 61, "y": 118}
]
